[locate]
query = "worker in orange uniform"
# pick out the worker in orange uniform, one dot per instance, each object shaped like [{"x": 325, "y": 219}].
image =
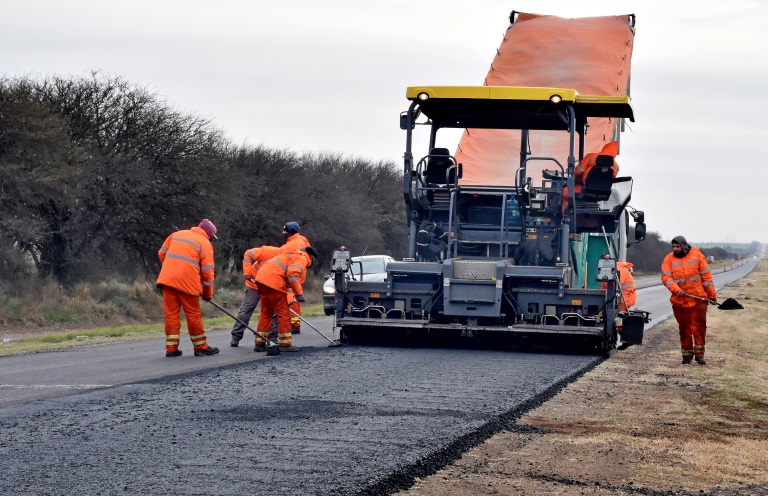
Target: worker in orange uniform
[
  {"x": 293, "y": 243},
  {"x": 273, "y": 279},
  {"x": 253, "y": 259},
  {"x": 585, "y": 166},
  {"x": 628, "y": 290},
  {"x": 686, "y": 274},
  {"x": 589, "y": 161},
  {"x": 627, "y": 283},
  {"x": 185, "y": 276}
]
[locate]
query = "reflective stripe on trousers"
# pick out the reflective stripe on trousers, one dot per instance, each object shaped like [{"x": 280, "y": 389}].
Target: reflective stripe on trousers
[
  {"x": 273, "y": 302},
  {"x": 173, "y": 301},
  {"x": 692, "y": 323}
]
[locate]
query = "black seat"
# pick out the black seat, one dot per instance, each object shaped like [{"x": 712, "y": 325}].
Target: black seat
[
  {"x": 598, "y": 180},
  {"x": 438, "y": 164}
]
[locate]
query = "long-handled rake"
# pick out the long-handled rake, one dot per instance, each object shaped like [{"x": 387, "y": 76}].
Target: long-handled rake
[
  {"x": 333, "y": 343},
  {"x": 271, "y": 347}
]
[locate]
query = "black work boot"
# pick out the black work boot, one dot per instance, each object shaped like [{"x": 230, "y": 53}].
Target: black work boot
[
  {"x": 687, "y": 360},
  {"x": 700, "y": 360},
  {"x": 173, "y": 353},
  {"x": 288, "y": 348},
  {"x": 235, "y": 342},
  {"x": 211, "y": 350}
]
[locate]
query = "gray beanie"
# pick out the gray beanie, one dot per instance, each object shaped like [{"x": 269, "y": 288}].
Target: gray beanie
[{"x": 680, "y": 240}]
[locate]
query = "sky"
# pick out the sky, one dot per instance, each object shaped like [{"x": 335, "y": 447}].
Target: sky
[{"x": 330, "y": 76}]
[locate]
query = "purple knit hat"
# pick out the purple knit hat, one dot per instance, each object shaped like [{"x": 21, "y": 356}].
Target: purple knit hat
[{"x": 209, "y": 228}]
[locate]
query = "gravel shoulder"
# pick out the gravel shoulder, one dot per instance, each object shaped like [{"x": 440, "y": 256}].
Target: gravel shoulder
[{"x": 642, "y": 423}]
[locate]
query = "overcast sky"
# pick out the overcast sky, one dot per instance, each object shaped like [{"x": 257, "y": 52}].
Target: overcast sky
[{"x": 330, "y": 76}]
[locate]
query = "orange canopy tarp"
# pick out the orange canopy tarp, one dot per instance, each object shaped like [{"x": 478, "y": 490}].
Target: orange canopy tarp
[{"x": 591, "y": 55}]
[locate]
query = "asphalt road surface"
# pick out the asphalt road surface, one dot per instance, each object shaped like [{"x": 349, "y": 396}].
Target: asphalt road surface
[{"x": 123, "y": 419}]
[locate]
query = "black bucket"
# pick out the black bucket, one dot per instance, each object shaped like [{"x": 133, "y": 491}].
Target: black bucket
[
  {"x": 633, "y": 326},
  {"x": 272, "y": 348}
]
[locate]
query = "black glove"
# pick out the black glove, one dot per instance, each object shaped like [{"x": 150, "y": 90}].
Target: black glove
[
  {"x": 300, "y": 298},
  {"x": 206, "y": 299}
]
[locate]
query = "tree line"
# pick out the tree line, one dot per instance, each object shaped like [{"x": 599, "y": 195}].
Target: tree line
[{"x": 95, "y": 172}]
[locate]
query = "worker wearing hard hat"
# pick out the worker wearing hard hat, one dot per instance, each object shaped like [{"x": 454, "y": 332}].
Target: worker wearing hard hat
[
  {"x": 253, "y": 259},
  {"x": 686, "y": 274},
  {"x": 186, "y": 275},
  {"x": 273, "y": 279},
  {"x": 294, "y": 241}
]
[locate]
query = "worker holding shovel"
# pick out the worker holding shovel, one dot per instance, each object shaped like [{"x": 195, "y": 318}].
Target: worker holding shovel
[
  {"x": 253, "y": 259},
  {"x": 686, "y": 274},
  {"x": 273, "y": 279}
]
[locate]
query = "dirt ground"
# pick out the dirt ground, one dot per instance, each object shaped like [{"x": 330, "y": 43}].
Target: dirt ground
[{"x": 640, "y": 423}]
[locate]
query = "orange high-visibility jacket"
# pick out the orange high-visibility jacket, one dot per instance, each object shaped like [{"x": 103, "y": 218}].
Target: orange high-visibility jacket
[
  {"x": 284, "y": 270},
  {"x": 690, "y": 273},
  {"x": 294, "y": 243},
  {"x": 253, "y": 259},
  {"x": 586, "y": 164},
  {"x": 627, "y": 282},
  {"x": 187, "y": 258}
]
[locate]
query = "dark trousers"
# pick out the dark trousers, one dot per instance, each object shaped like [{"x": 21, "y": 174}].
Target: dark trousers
[{"x": 247, "y": 307}]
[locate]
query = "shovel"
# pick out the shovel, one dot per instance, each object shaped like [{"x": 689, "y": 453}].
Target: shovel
[
  {"x": 729, "y": 304},
  {"x": 333, "y": 343},
  {"x": 271, "y": 347}
]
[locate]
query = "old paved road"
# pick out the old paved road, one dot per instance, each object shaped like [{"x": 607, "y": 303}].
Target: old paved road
[{"x": 124, "y": 419}]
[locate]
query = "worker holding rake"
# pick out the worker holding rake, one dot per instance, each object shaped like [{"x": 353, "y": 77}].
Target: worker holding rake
[
  {"x": 253, "y": 259},
  {"x": 294, "y": 241},
  {"x": 273, "y": 279},
  {"x": 686, "y": 274}
]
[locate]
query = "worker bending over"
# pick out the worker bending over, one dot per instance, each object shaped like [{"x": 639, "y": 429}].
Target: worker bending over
[
  {"x": 281, "y": 272},
  {"x": 253, "y": 259}
]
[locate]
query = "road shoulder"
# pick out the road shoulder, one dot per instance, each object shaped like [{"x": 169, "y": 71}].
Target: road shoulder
[{"x": 642, "y": 423}]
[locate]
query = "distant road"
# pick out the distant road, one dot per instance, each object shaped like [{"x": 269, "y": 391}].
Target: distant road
[{"x": 644, "y": 282}]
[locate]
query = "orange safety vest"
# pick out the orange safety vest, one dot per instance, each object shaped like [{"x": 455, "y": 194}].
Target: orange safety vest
[
  {"x": 253, "y": 259},
  {"x": 590, "y": 160},
  {"x": 294, "y": 243},
  {"x": 283, "y": 271},
  {"x": 690, "y": 273},
  {"x": 627, "y": 282},
  {"x": 187, "y": 258}
]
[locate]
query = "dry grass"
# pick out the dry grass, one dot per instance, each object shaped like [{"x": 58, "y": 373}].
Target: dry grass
[
  {"x": 44, "y": 315},
  {"x": 641, "y": 422}
]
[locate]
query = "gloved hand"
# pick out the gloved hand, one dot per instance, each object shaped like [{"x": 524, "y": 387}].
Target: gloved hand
[
  {"x": 300, "y": 298},
  {"x": 206, "y": 299}
]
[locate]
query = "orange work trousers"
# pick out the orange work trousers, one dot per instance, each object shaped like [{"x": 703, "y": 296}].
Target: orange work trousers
[
  {"x": 296, "y": 307},
  {"x": 692, "y": 322},
  {"x": 173, "y": 301},
  {"x": 273, "y": 302}
]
